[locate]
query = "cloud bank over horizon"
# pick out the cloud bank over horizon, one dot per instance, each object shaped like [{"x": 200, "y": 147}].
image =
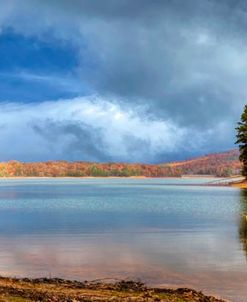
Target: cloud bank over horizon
[
  {"x": 127, "y": 80},
  {"x": 88, "y": 128}
]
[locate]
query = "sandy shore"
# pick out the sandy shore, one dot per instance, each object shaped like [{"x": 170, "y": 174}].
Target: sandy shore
[
  {"x": 55, "y": 289},
  {"x": 78, "y": 177},
  {"x": 240, "y": 184},
  {"x": 110, "y": 177}
]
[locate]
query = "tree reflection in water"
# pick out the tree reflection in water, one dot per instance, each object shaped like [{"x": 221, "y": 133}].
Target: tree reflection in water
[{"x": 243, "y": 221}]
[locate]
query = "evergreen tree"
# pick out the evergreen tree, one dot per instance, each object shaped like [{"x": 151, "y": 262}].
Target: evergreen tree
[{"x": 242, "y": 140}]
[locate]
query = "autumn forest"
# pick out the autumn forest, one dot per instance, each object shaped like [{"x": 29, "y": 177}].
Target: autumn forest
[{"x": 219, "y": 164}]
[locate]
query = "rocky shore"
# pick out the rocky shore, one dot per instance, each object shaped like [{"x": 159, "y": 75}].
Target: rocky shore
[{"x": 60, "y": 290}]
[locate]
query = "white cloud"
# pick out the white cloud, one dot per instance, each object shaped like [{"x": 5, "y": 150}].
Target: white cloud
[
  {"x": 48, "y": 130},
  {"x": 92, "y": 128}
]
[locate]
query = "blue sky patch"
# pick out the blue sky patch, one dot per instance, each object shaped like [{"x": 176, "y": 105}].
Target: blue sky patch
[{"x": 32, "y": 69}]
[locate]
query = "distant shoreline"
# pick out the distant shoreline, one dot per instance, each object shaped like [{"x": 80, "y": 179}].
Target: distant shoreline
[
  {"x": 221, "y": 164},
  {"x": 112, "y": 177}
]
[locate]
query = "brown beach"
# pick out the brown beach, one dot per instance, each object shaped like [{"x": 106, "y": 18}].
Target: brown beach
[{"x": 45, "y": 289}]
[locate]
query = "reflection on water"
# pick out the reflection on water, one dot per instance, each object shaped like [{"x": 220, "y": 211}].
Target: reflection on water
[
  {"x": 155, "y": 229},
  {"x": 243, "y": 221}
]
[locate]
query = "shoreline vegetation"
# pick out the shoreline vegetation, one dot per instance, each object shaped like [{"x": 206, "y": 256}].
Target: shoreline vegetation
[
  {"x": 224, "y": 164},
  {"x": 56, "y": 289}
]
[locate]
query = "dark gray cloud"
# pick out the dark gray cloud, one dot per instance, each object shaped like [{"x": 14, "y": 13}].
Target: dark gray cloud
[
  {"x": 84, "y": 141},
  {"x": 190, "y": 67},
  {"x": 183, "y": 61}
]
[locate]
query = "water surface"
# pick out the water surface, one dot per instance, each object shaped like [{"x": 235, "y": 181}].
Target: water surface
[{"x": 163, "y": 231}]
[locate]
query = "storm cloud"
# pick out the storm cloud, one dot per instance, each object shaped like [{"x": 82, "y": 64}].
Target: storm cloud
[
  {"x": 178, "y": 62},
  {"x": 88, "y": 128}
]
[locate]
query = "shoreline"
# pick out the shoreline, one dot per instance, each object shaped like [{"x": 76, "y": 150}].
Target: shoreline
[
  {"x": 116, "y": 177},
  {"x": 217, "y": 181},
  {"x": 240, "y": 184},
  {"x": 56, "y": 289}
]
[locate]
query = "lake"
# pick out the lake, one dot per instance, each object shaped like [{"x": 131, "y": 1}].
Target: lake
[{"x": 166, "y": 232}]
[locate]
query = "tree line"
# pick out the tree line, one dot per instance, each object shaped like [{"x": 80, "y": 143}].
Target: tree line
[{"x": 222, "y": 164}]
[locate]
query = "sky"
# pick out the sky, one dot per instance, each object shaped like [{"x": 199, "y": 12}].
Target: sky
[{"x": 120, "y": 80}]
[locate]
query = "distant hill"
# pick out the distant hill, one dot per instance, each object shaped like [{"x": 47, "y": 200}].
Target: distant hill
[{"x": 218, "y": 164}]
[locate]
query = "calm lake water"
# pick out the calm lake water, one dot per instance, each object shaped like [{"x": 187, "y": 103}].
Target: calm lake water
[{"x": 167, "y": 232}]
